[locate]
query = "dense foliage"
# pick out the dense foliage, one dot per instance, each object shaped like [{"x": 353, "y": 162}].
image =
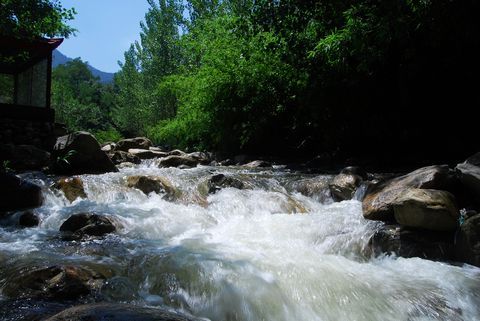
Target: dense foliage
[
  {"x": 81, "y": 101},
  {"x": 35, "y": 18},
  {"x": 302, "y": 75}
]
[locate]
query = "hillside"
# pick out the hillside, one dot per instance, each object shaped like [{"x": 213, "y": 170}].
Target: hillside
[{"x": 60, "y": 59}]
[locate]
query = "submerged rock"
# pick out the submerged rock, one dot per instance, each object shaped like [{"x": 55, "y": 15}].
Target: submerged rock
[
  {"x": 87, "y": 225},
  {"x": 60, "y": 282},
  {"x": 219, "y": 181},
  {"x": 28, "y": 219},
  {"x": 467, "y": 242},
  {"x": 426, "y": 208},
  {"x": 80, "y": 153},
  {"x": 117, "y": 312},
  {"x": 408, "y": 243},
  {"x": 133, "y": 143},
  {"x": 155, "y": 184},
  {"x": 72, "y": 188},
  {"x": 379, "y": 200},
  {"x": 343, "y": 186},
  {"x": 18, "y": 194}
]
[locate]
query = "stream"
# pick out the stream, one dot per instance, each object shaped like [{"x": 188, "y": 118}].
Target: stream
[{"x": 264, "y": 253}]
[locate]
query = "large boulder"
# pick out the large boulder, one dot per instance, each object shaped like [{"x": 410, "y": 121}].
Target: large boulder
[
  {"x": 219, "y": 181},
  {"x": 177, "y": 161},
  {"x": 469, "y": 176},
  {"x": 117, "y": 312},
  {"x": 83, "y": 225},
  {"x": 146, "y": 153},
  {"x": 59, "y": 282},
  {"x": 26, "y": 157},
  {"x": 80, "y": 153},
  {"x": 343, "y": 186},
  {"x": 379, "y": 200},
  {"x": 408, "y": 243},
  {"x": 155, "y": 184},
  {"x": 72, "y": 188},
  {"x": 426, "y": 208},
  {"x": 131, "y": 143},
  {"x": 119, "y": 157},
  {"x": 18, "y": 194},
  {"x": 467, "y": 242}
]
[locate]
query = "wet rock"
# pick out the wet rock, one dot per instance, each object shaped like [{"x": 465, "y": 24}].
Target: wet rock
[
  {"x": 203, "y": 158},
  {"x": 157, "y": 149},
  {"x": 60, "y": 282},
  {"x": 227, "y": 162},
  {"x": 317, "y": 187},
  {"x": 467, "y": 242},
  {"x": 117, "y": 312},
  {"x": 155, "y": 184},
  {"x": 355, "y": 170},
  {"x": 80, "y": 153},
  {"x": 18, "y": 194},
  {"x": 119, "y": 157},
  {"x": 176, "y": 152},
  {"x": 28, "y": 219},
  {"x": 176, "y": 161},
  {"x": 379, "y": 200},
  {"x": 133, "y": 143},
  {"x": 258, "y": 163},
  {"x": 72, "y": 188},
  {"x": 473, "y": 160},
  {"x": 26, "y": 157},
  {"x": 407, "y": 243},
  {"x": 125, "y": 165},
  {"x": 83, "y": 225},
  {"x": 426, "y": 208},
  {"x": 219, "y": 181},
  {"x": 469, "y": 176},
  {"x": 343, "y": 186},
  {"x": 146, "y": 153}
]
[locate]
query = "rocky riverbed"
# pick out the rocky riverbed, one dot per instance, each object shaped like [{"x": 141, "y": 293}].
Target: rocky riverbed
[{"x": 178, "y": 236}]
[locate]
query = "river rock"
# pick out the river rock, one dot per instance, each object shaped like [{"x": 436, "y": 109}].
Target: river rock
[
  {"x": 83, "y": 225},
  {"x": 28, "y": 219},
  {"x": 219, "y": 181},
  {"x": 108, "y": 147},
  {"x": 119, "y": 157},
  {"x": 18, "y": 194},
  {"x": 408, "y": 243},
  {"x": 117, "y": 312},
  {"x": 467, "y": 242},
  {"x": 176, "y": 152},
  {"x": 343, "y": 186},
  {"x": 258, "y": 163},
  {"x": 72, "y": 188},
  {"x": 26, "y": 157},
  {"x": 473, "y": 160},
  {"x": 176, "y": 161},
  {"x": 146, "y": 153},
  {"x": 317, "y": 187},
  {"x": 469, "y": 176},
  {"x": 426, "y": 208},
  {"x": 379, "y": 200},
  {"x": 355, "y": 170},
  {"x": 80, "y": 153},
  {"x": 60, "y": 282},
  {"x": 133, "y": 143},
  {"x": 155, "y": 184}
]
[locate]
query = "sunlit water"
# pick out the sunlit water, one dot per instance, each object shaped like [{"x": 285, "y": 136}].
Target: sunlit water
[{"x": 262, "y": 253}]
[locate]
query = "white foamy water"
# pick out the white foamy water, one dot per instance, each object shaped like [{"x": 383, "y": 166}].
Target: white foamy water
[{"x": 256, "y": 254}]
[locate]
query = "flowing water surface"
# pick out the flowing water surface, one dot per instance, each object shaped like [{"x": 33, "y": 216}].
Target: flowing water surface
[{"x": 261, "y": 253}]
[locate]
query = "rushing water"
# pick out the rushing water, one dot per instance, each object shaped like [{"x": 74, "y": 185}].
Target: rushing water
[{"x": 262, "y": 253}]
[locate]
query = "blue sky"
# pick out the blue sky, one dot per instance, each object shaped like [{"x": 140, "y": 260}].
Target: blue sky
[{"x": 106, "y": 28}]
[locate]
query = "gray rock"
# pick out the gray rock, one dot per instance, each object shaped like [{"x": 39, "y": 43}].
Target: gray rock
[
  {"x": 258, "y": 163},
  {"x": 343, "y": 186},
  {"x": 426, "y": 208},
  {"x": 119, "y": 157},
  {"x": 355, "y": 170},
  {"x": 176, "y": 161},
  {"x": 146, "y": 153},
  {"x": 155, "y": 184},
  {"x": 379, "y": 200},
  {"x": 467, "y": 242},
  {"x": 469, "y": 176},
  {"x": 219, "y": 181},
  {"x": 80, "y": 153},
  {"x": 72, "y": 188},
  {"x": 18, "y": 194},
  {"x": 117, "y": 312},
  {"x": 131, "y": 143},
  {"x": 83, "y": 225}
]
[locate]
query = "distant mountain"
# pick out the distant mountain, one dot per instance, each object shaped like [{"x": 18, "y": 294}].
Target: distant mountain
[{"x": 61, "y": 59}]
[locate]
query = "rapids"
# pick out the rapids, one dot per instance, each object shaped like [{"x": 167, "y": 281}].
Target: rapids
[{"x": 262, "y": 253}]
